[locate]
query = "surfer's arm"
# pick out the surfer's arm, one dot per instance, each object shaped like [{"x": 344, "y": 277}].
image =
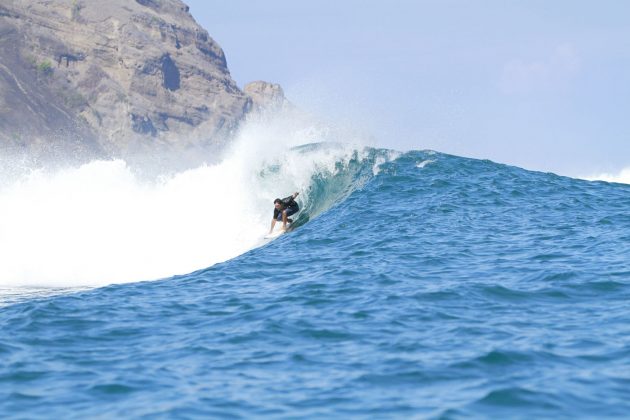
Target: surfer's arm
[
  {"x": 289, "y": 199},
  {"x": 273, "y": 223}
]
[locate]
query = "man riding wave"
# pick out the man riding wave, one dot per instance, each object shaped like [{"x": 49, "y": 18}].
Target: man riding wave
[{"x": 283, "y": 209}]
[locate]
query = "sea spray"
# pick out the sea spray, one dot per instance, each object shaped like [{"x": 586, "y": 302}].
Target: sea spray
[{"x": 623, "y": 177}]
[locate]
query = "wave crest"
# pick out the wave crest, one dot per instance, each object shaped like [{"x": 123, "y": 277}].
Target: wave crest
[{"x": 623, "y": 177}]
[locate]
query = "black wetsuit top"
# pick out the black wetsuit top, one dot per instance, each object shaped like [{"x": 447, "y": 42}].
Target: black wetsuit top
[{"x": 287, "y": 203}]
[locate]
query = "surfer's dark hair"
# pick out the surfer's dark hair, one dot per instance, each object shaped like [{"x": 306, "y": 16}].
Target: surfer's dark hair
[{"x": 277, "y": 200}]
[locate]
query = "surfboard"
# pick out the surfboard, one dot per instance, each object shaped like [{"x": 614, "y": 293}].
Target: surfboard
[{"x": 277, "y": 232}]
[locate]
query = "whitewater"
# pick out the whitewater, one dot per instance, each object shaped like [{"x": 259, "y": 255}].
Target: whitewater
[{"x": 415, "y": 284}]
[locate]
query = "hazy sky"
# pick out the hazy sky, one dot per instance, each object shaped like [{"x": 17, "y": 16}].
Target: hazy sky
[{"x": 537, "y": 83}]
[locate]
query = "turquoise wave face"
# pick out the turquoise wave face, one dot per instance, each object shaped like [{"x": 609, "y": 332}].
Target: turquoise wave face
[
  {"x": 331, "y": 186},
  {"x": 437, "y": 287}
]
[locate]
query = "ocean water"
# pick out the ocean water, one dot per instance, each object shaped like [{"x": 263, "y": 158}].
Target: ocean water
[{"x": 415, "y": 284}]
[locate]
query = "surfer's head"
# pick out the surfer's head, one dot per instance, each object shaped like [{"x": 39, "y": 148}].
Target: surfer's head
[{"x": 277, "y": 203}]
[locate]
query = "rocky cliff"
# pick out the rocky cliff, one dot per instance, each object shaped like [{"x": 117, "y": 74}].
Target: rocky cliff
[
  {"x": 113, "y": 78},
  {"x": 266, "y": 96}
]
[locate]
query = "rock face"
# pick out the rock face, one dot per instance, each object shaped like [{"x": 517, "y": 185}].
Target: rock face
[
  {"x": 266, "y": 96},
  {"x": 111, "y": 78}
]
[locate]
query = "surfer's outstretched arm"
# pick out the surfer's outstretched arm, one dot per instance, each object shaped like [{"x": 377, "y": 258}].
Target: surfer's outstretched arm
[
  {"x": 289, "y": 199},
  {"x": 273, "y": 223}
]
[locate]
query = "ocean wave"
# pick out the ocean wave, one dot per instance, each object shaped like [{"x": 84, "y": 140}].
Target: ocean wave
[
  {"x": 464, "y": 289},
  {"x": 103, "y": 222}
]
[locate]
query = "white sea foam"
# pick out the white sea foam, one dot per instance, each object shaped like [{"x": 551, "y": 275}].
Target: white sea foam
[
  {"x": 424, "y": 163},
  {"x": 99, "y": 223},
  {"x": 623, "y": 177}
]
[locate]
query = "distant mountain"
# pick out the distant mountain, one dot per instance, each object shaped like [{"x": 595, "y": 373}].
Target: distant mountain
[{"x": 115, "y": 78}]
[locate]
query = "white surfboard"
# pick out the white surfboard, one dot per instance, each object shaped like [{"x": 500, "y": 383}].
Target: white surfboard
[{"x": 277, "y": 232}]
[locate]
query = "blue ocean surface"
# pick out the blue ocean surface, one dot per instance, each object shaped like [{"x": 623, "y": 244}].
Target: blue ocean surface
[{"x": 424, "y": 285}]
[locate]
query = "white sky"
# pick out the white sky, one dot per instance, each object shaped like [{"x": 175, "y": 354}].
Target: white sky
[{"x": 540, "y": 84}]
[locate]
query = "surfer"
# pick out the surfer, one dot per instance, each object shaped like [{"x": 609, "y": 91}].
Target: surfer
[{"x": 283, "y": 209}]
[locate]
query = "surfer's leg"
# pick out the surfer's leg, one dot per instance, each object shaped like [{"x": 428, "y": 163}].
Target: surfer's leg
[
  {"x": 292, "y": 210},
  {"x": 284, "y": 218}
]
